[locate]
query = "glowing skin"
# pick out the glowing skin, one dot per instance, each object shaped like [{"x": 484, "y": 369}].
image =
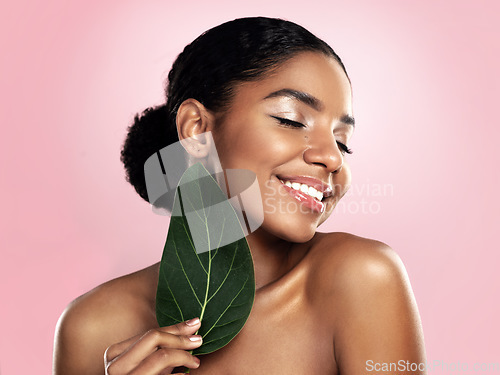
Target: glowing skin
[
  {"x": 326, "y": 303},
  {"x": 251, "y": 137}
]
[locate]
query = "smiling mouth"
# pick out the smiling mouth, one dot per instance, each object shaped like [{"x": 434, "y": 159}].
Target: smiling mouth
[
  {"x": 304, "y": 188},
  {"x": 312, "y": 197},
  {"x": 318, "y": 193}
]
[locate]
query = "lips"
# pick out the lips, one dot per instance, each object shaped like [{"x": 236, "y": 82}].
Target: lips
[
  {"x": 319, "y": 185},
  {"x": 307, "y": 190}
]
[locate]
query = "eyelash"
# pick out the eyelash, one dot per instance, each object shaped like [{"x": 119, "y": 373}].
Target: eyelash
[{"x": 295, "y": 124}]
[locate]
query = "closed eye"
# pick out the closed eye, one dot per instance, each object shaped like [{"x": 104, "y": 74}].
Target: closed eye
[
  {"x": 343, "y": 148},
  {"x": 284, "y": 121}
]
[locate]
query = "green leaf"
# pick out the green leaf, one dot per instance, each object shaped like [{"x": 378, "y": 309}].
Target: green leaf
[{"x": 206, "y": 269}]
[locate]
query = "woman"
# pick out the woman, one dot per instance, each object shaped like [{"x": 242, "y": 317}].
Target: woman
[{"x": 277, "y": 101}]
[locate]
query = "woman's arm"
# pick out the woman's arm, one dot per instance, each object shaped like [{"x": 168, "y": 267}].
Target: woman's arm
[{"x": 108, "y": 332}]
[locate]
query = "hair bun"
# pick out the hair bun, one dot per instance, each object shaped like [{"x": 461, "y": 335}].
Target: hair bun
[
  {"x": 209, "y": 69},
  {"x": 149, "y": 133}
]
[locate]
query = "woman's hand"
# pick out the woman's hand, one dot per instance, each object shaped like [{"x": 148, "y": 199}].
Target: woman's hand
[{"x": 158, "y": 351}]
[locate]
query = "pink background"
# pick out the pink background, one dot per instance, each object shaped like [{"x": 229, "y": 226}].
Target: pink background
[{"x": 426, "y": 86}]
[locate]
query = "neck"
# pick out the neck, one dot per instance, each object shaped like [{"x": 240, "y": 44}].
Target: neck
[{"x": 272, "y": 257}]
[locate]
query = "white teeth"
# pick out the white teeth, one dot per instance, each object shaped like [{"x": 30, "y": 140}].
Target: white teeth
[
  {"x": 309, "y": 190},
  {"x": 312, "y": 191}
]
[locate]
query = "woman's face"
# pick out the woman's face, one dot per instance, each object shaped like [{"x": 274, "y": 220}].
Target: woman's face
[{"x": 288, "y": 129}]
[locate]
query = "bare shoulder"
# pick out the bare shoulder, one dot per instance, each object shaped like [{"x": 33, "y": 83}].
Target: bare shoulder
[
  {"x": 343, "y": 259},
  {"x": 367, "y": 301},
  {"x": 110, "y": 313},
  {"x": 351, "y": 269}
]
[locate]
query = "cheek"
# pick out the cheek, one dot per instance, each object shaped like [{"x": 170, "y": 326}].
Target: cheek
[
  {"x": 253, "y": 146},
  {"x": 341, "y": 185},
  {"x": 344, "y": 180}
]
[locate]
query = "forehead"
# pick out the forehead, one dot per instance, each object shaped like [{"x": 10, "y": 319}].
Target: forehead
[{"x": 313, "y": 73}]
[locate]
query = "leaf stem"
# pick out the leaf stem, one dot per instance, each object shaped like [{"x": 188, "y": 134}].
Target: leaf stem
[{"x": 208, "y": 273}]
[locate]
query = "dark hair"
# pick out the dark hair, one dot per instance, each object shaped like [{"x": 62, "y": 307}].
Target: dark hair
[{"x": 241, "y": 50}]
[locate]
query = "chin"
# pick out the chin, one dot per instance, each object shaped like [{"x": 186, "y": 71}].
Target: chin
[
  {"x": 294, "y": 232},
  {"x": 302, "y": 238}
]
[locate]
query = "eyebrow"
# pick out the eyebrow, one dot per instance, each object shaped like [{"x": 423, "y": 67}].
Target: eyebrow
[
  {"x": 307, "y": 99},
  {"x": 301, "y": 96},
  {"x": 348, "y": 120}
]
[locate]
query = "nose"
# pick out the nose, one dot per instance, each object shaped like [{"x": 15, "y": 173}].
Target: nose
[{"x": 323, "y": 151}]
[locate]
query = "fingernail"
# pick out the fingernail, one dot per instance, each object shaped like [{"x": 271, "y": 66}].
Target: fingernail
[
  {"x": 193, "y": 322},
  {"x": 197, "y": 360},
  {"x": 195, "y": 338}
]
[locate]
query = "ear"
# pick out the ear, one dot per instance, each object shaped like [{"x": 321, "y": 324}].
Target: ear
[{"x": 193, "y": 120}]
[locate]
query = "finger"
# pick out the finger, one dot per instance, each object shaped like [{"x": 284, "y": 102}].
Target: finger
[
  {"x": 117, "y": 349},
  {"x": 164, "y": 360},
  {"x": 154, "y": 339},
  {"x": 149, "y": 344},
  {"x": 183, "y": 328}
]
